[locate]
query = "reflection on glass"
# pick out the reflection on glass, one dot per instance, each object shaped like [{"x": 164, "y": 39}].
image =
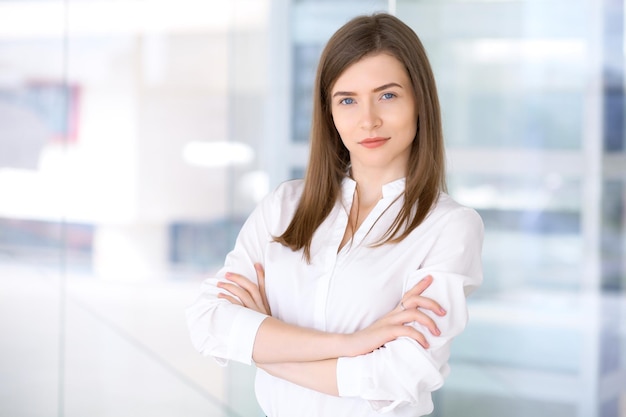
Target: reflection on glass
[
  {"x": 103, "y": 221},
  {"x": 523, "y": 110}
]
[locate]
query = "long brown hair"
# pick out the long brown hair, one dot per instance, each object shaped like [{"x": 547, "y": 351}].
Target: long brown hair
[{"x": 329, "y": 159}]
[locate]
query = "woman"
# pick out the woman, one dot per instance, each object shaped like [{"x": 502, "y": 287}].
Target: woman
[{"x": 331, "y": 286}]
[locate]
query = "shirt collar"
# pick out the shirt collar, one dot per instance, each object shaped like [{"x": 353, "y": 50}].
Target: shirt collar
[{"x": 390, "y": 190}]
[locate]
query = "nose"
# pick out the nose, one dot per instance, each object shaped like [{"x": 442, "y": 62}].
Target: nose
[{"x": 370, "y": 119}]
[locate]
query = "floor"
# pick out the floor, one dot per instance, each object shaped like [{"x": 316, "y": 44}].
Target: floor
[{"x": 73, "y": 345}]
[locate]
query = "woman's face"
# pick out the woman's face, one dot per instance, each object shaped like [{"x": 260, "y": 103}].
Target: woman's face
[{"x": 373, "y": 109}]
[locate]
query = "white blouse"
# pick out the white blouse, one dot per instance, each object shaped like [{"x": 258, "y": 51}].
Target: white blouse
[{"x": 343, "y": 292}]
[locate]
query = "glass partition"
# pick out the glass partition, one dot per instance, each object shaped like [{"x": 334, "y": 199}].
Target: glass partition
[
  {"x": 522, "y": 86},
  {"x": 124, "y": 174}
]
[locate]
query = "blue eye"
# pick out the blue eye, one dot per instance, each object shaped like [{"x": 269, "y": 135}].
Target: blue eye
[
  {"x": 388, "y": 96},
  {"x": 347, "y": 100}
]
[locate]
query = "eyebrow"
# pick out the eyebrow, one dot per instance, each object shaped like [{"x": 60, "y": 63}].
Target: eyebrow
[{"x": 376, "y": 90}]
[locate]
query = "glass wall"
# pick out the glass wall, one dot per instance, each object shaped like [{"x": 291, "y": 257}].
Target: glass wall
[
  {"x": 532, "y": 95},
  {"x": 135, "y": 137},
  {"x": 125, "y": 172}
]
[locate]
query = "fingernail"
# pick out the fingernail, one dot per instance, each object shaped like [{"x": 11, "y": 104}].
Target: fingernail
[
  {"x": 228, "y": 274},
  {"x": 442, "y": 311},
  {"x": 438, "y": 332}
]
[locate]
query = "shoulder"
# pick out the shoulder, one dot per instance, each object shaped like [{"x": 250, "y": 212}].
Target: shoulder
[
  {"x": 276, "y": 209},
  {"x": 283, "y": 200},
  {"x": 287, "y": 193},
  {"x": 279, "y": 206},
  {"x": 448, "y": 211}
]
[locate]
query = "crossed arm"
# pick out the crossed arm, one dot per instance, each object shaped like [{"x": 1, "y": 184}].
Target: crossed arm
[{"x": 308, "y": 357}]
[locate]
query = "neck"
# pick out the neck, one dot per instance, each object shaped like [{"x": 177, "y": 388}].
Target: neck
[
  {"x": 368, "y": 195},
  {"x": 375, "y": 177},
  {"x": 381, "y": 173},
  {"x": 370, "y": 186}
]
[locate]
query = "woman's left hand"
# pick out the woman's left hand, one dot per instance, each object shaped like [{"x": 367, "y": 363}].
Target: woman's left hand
[{"x": 245, "y": 292}]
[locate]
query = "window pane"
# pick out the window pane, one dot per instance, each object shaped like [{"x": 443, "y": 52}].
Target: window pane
[{"x": 523, "y": 92}]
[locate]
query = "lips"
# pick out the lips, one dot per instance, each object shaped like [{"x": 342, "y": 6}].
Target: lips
[{"x": 373, "y": 142}]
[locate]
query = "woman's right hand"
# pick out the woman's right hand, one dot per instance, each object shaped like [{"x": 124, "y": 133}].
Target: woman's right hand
[
  {"x": 245, "y": 293},
  {"x": 393, "y": 324}
]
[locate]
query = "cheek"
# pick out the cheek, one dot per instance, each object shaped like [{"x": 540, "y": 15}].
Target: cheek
[
  {"x": 408, "y": 122},
  {"x": 340, "y": 132},
  {"x": 344, "y": 137},
  {"x": 341, "y": 125}
]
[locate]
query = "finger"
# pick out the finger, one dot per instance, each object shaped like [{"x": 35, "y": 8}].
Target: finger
[
  {"x": 239, "y": 280},
  {"x": 230, "y": 298},
  {"x": 246, "y": 284},
  {"x": 419, "y": 301},
  {"x": 427, "y": 322},
  {"x": 421, "y": 286},
  {"x": 238, "y": 292},
  {"x": 417, "y": 316},
  {"x": 260, "y": 274},
  {"x": 416, "y": 335}
]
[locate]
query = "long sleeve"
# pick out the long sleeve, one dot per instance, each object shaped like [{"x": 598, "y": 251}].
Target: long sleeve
[
  {"x": 402, "y": 373},
  {"x": 217, "y": 327}
]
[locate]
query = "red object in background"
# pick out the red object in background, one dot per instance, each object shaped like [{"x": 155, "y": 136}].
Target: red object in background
[{"x": 33, "y": 115}]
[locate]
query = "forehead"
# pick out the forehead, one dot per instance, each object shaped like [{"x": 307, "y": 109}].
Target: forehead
[{"x": 372, "y": 71}]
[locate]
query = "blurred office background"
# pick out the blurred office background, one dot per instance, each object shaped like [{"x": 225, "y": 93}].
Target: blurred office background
[{"x": 136, "y": 135}]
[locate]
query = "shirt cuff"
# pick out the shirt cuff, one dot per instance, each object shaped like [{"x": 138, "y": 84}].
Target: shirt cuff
[
  {"x": 351, "y": 377},
  {"x": 243, "y": 332}
]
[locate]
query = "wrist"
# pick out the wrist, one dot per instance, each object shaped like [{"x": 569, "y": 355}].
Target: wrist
[{"x": 345, "y": 346}]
